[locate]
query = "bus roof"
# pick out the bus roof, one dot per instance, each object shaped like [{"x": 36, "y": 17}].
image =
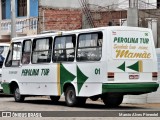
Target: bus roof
[{"x": 58, "y": 33}]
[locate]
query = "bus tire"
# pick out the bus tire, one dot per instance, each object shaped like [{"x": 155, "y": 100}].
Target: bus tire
[
  {"x": 54, "y": 99},
  {"x": 70, "y": 96},
  {"x": 17, "y": 96},
  {"x": 112, "y": 101}
]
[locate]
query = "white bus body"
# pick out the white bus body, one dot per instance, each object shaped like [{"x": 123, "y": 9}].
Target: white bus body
[
  {"x": 106, "y": 63},
  {"x": 4, "y": 47},
  {"x": 155, "y": 97},
  {"x": 150, "y": 97}
]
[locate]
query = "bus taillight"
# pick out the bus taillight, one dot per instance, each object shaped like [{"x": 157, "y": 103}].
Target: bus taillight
[
  {"x": 110, "y": 75},
  {"x": 154, "y": 75}
]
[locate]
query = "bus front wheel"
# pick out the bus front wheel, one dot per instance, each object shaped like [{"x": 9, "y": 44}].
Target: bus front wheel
[
  {"x": 70, "y": 96},
  {"x": 112, "y": 100},
  {"x": 17, "y": 96}
]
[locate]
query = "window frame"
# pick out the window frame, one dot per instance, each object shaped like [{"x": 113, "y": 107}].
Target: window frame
[
  {"x": 74, "y": 37},
  {"x": 12, "y": 55},
  {"x": 3, "y": 9},
  {"x": 49, "y": 50},
  {"x": 21, "y": 10},
  {"x": 26, "y": 52},
  {"x": 98, "y": 32}
]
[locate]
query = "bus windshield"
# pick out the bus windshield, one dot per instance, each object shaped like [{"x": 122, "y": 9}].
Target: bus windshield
[{"x": 3, "y": 53}]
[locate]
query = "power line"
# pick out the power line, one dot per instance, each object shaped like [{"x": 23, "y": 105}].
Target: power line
[
  {"x": 151, "y": 4},
  {"x": 108, "y": 6}
]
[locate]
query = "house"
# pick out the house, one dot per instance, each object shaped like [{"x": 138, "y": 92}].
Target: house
[{"x": 26, "y": 12}]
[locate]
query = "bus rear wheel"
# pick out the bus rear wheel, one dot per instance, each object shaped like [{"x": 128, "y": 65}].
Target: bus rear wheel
[
  {"x": 17, "y": 96},
  {"x": 54, "y": 99},
  {"x": 70, "y": 96},
  {"x": 112, "y": 100}
]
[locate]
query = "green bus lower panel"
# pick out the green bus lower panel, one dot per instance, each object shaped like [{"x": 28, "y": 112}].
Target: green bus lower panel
[
  {"x": 6, "y": 88},
  {"x": 130, "y": 87}
]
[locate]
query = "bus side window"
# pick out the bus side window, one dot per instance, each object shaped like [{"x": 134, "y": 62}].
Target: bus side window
[
  {"x": 64, "y": 48},
  {"x": 13, "y": 58},
  {"x": 90, "y": 46},
  {"x": 41, "y": 50},
  {"x": 26, "y": 52}
]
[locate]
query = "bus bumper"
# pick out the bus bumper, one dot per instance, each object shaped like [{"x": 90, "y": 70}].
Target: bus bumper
[{"x": 129, "y": 88}]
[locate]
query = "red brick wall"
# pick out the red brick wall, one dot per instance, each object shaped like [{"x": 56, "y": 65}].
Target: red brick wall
[
  {"x": 102, "y": 19},
  {"x": 71, "y": 19},
  {"x": 65, "y": 19}
]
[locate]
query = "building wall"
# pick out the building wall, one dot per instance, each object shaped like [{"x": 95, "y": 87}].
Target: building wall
[
  {"x": 71, "y": 19},
  {"x": 59, "y": 19},
  {"x": 68, "y": 15},
  {"x": 103, "y": 18}
]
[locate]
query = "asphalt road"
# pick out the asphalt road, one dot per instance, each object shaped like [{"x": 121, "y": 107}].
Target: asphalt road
[{"x": 92, "y": 109}]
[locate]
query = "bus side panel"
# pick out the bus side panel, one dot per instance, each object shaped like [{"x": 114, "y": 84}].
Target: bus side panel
[
  {"x": 41, "y": 79},
  {"x": 34, "y": 79},
  {"x": 66, "y": 73},
  {"x": 90, "y": 76}
]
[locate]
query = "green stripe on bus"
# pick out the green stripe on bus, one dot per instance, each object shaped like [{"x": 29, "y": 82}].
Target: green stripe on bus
[
  {"x": 129, "y": 87},
  {"x": 81, "y": 78},
  {"x": 6, "y": 88},
  {"x": 65, "y": 76}
]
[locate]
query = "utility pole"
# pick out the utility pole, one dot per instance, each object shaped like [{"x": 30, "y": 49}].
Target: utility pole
[
  {"x": 28, "y": 14},
  {"x": 13, "y": 19},
  {"x": 132, "y": 13}
]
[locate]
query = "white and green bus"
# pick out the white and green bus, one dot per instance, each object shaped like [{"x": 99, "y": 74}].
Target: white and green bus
[{"x": 106, "y": 63}]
